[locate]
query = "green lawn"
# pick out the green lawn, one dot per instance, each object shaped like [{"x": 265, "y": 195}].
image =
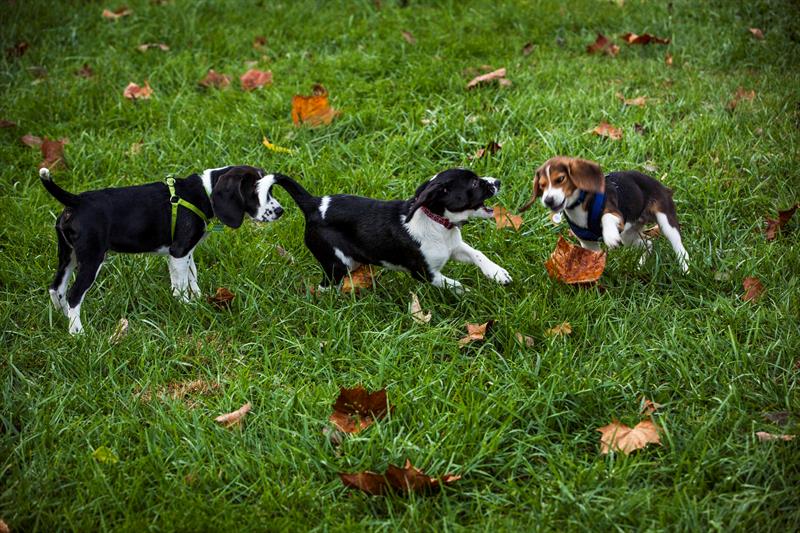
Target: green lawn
[{"x": 518, "y": 423}]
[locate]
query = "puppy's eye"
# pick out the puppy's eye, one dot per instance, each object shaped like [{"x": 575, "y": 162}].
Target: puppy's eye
[
  {"x": 475, "y": 184},
  {"x": 559, "y": 179}
]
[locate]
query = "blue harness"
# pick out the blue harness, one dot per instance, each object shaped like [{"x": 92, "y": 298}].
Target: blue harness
[{"x": 595, "y": 230}]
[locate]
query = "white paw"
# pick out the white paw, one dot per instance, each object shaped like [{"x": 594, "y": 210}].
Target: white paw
[
  {"x": 502, "y": 276},
  {"x": 612, "y": 239},
  {"x": 181, "y": 294},
  {"x": 76, "y": 328}
]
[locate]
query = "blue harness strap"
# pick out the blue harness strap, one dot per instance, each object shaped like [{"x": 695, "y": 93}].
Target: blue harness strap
[{"x": 595, "y": 230}]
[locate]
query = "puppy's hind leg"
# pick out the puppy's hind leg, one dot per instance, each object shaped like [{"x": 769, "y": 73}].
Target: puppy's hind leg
[
  {"x": 87, "y": 272},
  {"x": 66, "y": 266},
  {"x": 631, "y": 236},
  {"x": 668, "y": 223}
]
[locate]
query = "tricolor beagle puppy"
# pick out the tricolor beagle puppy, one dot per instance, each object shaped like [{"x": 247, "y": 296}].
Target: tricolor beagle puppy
[
  {"x": 417, "y": 236},
  {"x": 164, "y": 218},
  {"x": 610, "y": 208}
]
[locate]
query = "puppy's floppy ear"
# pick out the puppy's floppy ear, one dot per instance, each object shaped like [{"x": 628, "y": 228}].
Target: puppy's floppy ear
[
  {"x": 228, "y": 196},
  {"x": 536, "y": 191},
  {"x": 426, "y": 193},
  {"x": 586, "y": 175}
]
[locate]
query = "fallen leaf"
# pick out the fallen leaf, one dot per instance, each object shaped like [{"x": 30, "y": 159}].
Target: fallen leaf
[
  {"x": 4, "y": 527},
  {"x": 356, "y": 409},
  {"x": 645, "y": 38},
  {"x": 313, "y": 110},
  {"x": 215, "y": 79},
  {"x": 222, "y": 299},
  {"x": 360, "y": 278},
  {"x": 369, "y": 482},
  {"x": 602, "y": 45},
  {"x": 105, "y": 455},
  {"x": 135, "y": 92},
  {"x": 498, "y": 74},
  {"x": 503, "y": 218},
  {"x": 757, "y": 33},
  {"x": 491, "y": 148},
  {"x": 417, "y": 314},
  {"x": 773, "y": 226},
  {"x": 648, "y": 407},
  {"x": 18, "y": 50},
  {"x": 475, "y": 332},
  {"x": 604, "y": 129},
  {"x": 780, "y": 418},
  {"x": 120, "y": 332},
  {"x": 275, "y": 148},
  {"x": 53, "y": 153},
  {"x": 259, "y": 41},
  {"x": 527, "y": 48},
  {"x": 763, "y": 436},
  {"x": 668, "y": 59},
  {"x": 85, "y": 71},
  {"x": 31, "y": 140},
  {"x": 619, "y": 437},
  {"x": 254, "y": 79},
  {"x": 235, "y": 418},
  {"x": 565, "y": 328},
  {"x": 752, "y": 289},
  {"x": 403, "y": 480},
  {"x": 639, "y": 101},
  {"x": 7, "y": 124},
  {"x": 741, "y": 95},
  {"x": 117, "y": 14},
  {"x": 147, "y": 46},
  {"x": 524, "y": 340},
  {"x": 652, "y": 232},
  {"x": 573, "y": 264},
  {"x": 409, "y": 37}
]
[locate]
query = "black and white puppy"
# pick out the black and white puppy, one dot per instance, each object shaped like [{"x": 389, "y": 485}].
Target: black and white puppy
[
  {"x": 417, "y": 236},
  {"x": 139, "y": 219}
]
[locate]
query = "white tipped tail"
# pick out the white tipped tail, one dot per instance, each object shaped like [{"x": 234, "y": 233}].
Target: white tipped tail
[{"x": 44, "y": 173}]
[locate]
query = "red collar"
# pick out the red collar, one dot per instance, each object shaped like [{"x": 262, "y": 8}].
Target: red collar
[{"x": 444, "y": 221}]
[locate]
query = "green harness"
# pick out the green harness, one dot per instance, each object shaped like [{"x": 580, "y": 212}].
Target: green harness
[{"x": 176, "y": 201}]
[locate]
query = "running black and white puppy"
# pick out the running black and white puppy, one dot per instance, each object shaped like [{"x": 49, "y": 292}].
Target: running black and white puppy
[
  {"x": 139, "y": 219},
  {"x": 417, "y": 236}
]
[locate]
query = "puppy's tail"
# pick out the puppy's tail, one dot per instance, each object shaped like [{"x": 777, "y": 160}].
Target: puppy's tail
[
  {"x": 304, "y": 199},
  {"x": 66, "y": 198}
]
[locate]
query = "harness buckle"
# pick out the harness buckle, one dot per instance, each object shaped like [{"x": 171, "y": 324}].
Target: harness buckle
[{"x": 174, "y": 200}]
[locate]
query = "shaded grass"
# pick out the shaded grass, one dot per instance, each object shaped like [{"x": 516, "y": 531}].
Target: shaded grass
[{"x": 517, "y": 423}]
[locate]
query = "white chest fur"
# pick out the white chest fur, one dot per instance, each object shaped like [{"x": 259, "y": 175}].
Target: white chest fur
[{"x": 436, "y": 242}]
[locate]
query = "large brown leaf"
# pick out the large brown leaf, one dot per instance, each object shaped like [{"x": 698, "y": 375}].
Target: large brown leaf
[
  {"x": 53, "y": 153},
  {"x": 356, "y": 409},
  {"x": 475, "y": 332},
  {"x": 313, "y": 110},
  {"x": 361, "y": 278},
  {"x": 135, "y": 92},
  {"x": 403, "y": 480},
  {"x": 619, "y": 437},
  {"x": 369, "y": 482},
  {"x": 774, "y": 226},
  {"x": 573, "y": 264},
  {"x": 752, "y": 289}
]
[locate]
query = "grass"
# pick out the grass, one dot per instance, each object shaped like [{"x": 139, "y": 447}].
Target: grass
[{"x": 518, "y": 423}]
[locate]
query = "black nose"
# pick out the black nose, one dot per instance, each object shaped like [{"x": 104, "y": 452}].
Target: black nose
[
  {"x": 278, "y": 211},
  {"x": 497, "y": 184},
  {"x": 549, "y": 201}
]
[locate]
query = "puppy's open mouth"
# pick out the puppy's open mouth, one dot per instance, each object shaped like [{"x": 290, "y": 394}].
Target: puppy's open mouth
[{"x": 558, "y": 208}]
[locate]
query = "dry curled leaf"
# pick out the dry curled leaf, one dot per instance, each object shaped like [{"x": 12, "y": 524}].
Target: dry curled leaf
[
  {"x": 499, "y": 74},
  {"x": 604, "y": 129},
  {"x": 254, "y": 79},
  {"x": 652, "y": 232},
  {"x": 53, "y": 153},
  {"x": 645, "y": 38},
  {"x": 147, "y": 46},
  {"x": 122, "y": 11},
  {"x": 525, "y": 340},
  {"x": 370, "y": 482},
  {"x": 619, "y": 437},
  {"x": 361, "y": 278},
  {"x": 85, "y": 71},
  {"x": 356, "y": 409},
  {"x": 417, "y": 314},
  {"x": 752, "y": 289},
  {"x": 757, "y": 33},
  {"x": 527, "y": 48},
  {"x": 648, "y": 407},
  {"x": 215, "y": 79},
  {"x": 31, "y": 140},
  {"x": 235, "y": 418},
  {"x": 491, "y": 148},
  {"x": 259, "y": 41},
  {"x": 135, "y": 92},
  {"x": 120, "y": 331},
  {"x": 313, "y": 110},
  {"x": 573, "y": 264},
  {"x": 602, "y": 45},
  {"x": 639, "y": 101},
  {"x": 764, "y": 436},
  {"x": 409, "y": 37},
  {"x": 741, "y": 95},
  {"x": 475, "y": 332},
  {"x": 403, "y": 480},
  {"x": 565, "y": 328},
  {"x": 503, "y": 218},
  {"x": 774, "y": 226},
  {"x": 222, "y": 299}
]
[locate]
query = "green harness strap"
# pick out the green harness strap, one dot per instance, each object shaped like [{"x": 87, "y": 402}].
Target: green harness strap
[{"x": 176, "y": 201}]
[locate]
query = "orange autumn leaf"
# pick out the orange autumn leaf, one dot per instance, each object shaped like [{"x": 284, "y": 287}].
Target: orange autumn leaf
[
  {"x": 565, "y": 328},
  {"x": 222, "y": 299},
  {"x": 774, "y": 226},
  {"x": 255, "y": 79},
  {"x": 741, "y": 95},
  {"x": 505, "y": 219},
  {"x": 639, "y": 101},
  {"x": 475, "y": 332},
  {"x": 356, "y": 409},
  {"x": 215, "y": 79},
  {"x": 313, "y": 110},
  {"x": 135, "y": 92},
  {"x": 752, "y": 289},
  {"x": 602, "y": 45},
  {"x": 235, "y": 418},
  {"x": 573, "y": 264},
  {"x": 122, "y": 11},
  {"x": 604, "y": 129},
  {"x": 648, "y": 407},
  {"x": 619, "y": 437},
  {"x": 756, "y": 33},
  {"x": 361, "y": 278},
  {"x": 645, "y": 38},
  {"x": 499, "y": 74}
]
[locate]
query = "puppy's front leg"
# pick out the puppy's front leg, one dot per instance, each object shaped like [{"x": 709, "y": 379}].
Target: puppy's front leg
[
  {"x": 467, "y": 254},
  {"x": 438, "y": 280},
  {"x": 179, "y": 272},
  {"x": 611, "y": 224},
  {"x": 590, "y": 245}
]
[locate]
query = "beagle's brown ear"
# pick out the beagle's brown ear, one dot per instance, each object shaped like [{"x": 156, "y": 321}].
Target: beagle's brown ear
[
  {"x": 537, "y": 191},
  {"x": 586, "y": 175}
]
